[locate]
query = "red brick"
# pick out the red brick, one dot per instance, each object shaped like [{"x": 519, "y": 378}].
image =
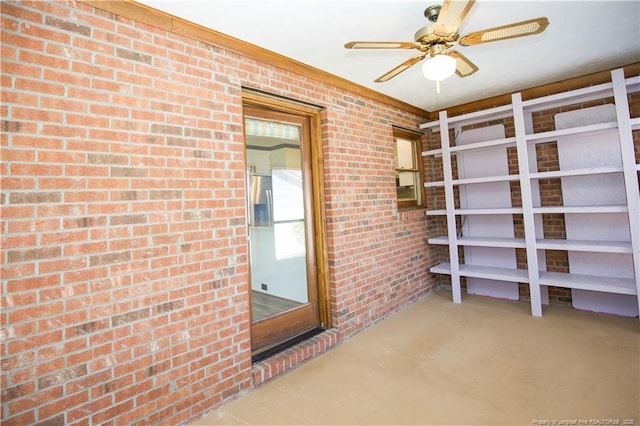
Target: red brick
[
  {"x": 20, "y": 397},
  {"x": 78, "y": 412},
  {"x": 53, "y": 409},
  {"x": 26, "y": 418},
  {"x": 140, "y": 234}
]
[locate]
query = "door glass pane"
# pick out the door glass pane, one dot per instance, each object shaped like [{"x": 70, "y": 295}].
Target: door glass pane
[
  {"x": 288, "y": 201},
  {"x": 276, "y": 217},
  {"x": 289, "y": 239}
]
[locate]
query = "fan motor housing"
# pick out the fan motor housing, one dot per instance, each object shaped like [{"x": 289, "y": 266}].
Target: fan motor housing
[
  {"x": 427, "y": 37},
  {"x": 432, "y": 12}
]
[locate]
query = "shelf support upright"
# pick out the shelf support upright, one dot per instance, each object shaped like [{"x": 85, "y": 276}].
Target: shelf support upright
[
  {"x": 628, "y": 167},
  {"x": 450, "y": 208},
  {"x": 527, "y": 205}
]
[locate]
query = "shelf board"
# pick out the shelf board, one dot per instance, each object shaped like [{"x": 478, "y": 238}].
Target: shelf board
[
  {"x": 541, "y": 244},
  {"x": 486, "y": 272},
  {"x": 555, "y": 135},
  {"x": 633, "y": 84},
  {"x": 432, "y": 152},
  {"x": 581, "y": 209},
  {"x": 505, "y": 210},
  {"x": 469, "y": 181},
  {"x": 584, "y": 245},
  {"x": 550, "y": 136},
  {"x": 578, "y": 96},
  {"x": 535, "y": 175},
  {"x": 589, "y": 282},
  {"x": 571, "y": 97},
  {"x": 473, "y": 117},
  {"x": 555, "y": 279},
  {"x": 575, "y": 172},
  {"x": 481, "y": 242},
  {"x": 557, "y": 100},
  {"x": 486, "y": 179},
  {"x": 505, "y": 142}
]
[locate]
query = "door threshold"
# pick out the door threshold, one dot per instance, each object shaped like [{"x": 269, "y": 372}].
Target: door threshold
[{"x": 267, "y": 353}]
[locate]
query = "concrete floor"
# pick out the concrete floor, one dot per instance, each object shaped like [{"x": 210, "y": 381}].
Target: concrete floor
[{"x": 485, "y": 361}]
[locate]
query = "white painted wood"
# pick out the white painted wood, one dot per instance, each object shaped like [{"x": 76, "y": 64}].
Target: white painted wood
[
  {"x": 576, "y": 172},
  {"x": 482, "y": 242},
  {"x": 556, "y": 135},
  {"x": 541, "y": 244},
  {"x": 542, "y": 103},
  {"x": 578, "y": 96},
  {"x": 487, "y": 272},
  {"x": 632, "y": 191},
  {"x": 609, "y": 243},
  {"x": 467, "y": 212},
  {"x": 502, "y": 142},
  {"x": 557, "y": 100},
  {"x": 536, "y": 201},
  {"x": 541, "y": 137},
  {"x": 527, "y": 206},
  {"x": 482, "y": 166},
  {"x": 472, "y": 117},
  {"x": 436, "y": 152},
  {"x": 615, "y": 285},
  {"x": 492, "y": 211},
  {"x": 471, "y": 181},
  {"x": 585, "y": 245},
  {"x": 486, "y": 179},
  {"x": 581, "y": 209},
  {"x": 605, "y": 193},
  {"x": 450, "y": 205},
  {"x": 572, "y": 97}
]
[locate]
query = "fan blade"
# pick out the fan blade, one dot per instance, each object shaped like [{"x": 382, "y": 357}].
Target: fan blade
[
  {"x": 451, "y": 16},
  {"x": 464, "y": 67},
  {"x": 379, "y": 45},
  {"x": 518, "y": 29},
  {"x": 400, "y": 68}
]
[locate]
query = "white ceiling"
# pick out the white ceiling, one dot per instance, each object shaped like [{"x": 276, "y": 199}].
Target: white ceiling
[{"x": 583, "y": 37}]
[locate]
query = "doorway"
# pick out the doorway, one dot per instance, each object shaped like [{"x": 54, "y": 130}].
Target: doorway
[{"x": 282, "y": 234}]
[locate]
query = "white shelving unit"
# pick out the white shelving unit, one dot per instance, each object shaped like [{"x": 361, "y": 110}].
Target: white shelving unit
[{"x": 534, "y": 276}]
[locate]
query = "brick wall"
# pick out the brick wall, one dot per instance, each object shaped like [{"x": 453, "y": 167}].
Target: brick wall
[
  {"x": 550, "y": 192},
  {"x": 124, "y": 258}
]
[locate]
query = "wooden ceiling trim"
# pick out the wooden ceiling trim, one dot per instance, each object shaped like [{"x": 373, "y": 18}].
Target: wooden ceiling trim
[
  {"x": 630, "y": 70},
  {"x": 142, "y": 13},
  {"x": 133, "y": 10}
]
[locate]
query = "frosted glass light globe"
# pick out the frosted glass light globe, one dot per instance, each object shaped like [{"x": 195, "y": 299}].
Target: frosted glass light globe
[{"x": 439, "y": 67}]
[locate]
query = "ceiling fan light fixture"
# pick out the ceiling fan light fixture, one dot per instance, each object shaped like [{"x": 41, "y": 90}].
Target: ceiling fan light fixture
[{"x": 439, "y": 67}]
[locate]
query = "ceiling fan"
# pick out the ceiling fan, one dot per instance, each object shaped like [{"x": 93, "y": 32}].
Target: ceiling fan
[{"x": 440, "y": 35}]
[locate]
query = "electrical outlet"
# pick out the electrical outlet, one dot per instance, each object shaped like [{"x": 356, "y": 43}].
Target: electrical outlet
[{"x": 264, "y": 287}]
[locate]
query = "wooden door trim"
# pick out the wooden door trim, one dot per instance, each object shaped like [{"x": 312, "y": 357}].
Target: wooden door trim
[{"x": 253, "y": 99}]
